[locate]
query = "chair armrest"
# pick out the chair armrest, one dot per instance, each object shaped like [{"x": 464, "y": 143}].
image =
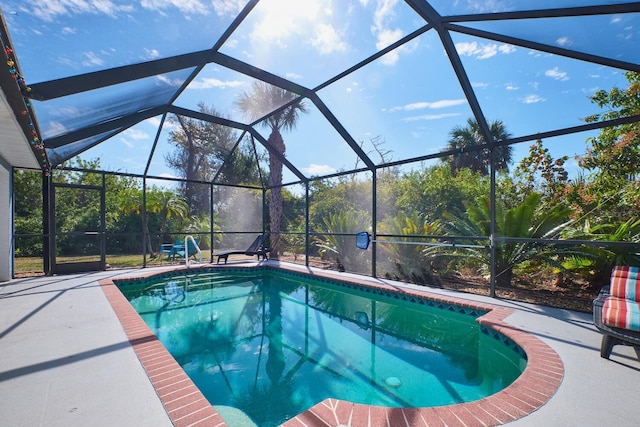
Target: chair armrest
[{"x": 605, "y": 290}]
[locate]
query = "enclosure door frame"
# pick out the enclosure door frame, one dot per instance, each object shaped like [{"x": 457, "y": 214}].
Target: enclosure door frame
[{"x": 52, "y": 265}]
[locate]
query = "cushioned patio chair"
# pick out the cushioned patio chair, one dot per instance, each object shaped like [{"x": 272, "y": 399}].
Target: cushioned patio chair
[
  {"x": 256, "y": 248},
  {"x": 616, "y": 310}
]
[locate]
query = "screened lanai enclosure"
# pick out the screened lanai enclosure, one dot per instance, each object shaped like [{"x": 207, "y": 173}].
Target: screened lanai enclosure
[{"x": 497, "y": 139}]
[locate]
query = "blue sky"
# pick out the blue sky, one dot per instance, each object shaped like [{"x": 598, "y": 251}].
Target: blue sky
[{"x": 409, "y": 98}]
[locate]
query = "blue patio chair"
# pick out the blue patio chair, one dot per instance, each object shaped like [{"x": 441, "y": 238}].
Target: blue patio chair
[
  {"x": 171, "y": 249},
  {"x": 192, "y": 249}
]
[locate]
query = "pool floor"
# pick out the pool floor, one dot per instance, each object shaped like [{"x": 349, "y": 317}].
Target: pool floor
[{"x": 186, "y": 406}]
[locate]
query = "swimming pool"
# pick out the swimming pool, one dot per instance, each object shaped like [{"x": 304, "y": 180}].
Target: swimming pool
[{"x": 273, "y": 344}]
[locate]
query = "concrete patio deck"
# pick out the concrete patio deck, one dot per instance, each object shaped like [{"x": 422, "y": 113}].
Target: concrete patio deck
[{"x": 65, "y": 360}]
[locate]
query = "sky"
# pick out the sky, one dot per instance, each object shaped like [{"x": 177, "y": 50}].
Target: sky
[{"x": 408, "y": 100}]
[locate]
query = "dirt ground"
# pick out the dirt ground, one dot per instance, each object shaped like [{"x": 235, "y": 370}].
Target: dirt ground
[
  {"x": 571, "y": 294},
  {"x": 574, "y": 296}
]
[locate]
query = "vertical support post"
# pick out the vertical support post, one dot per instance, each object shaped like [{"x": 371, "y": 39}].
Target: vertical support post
[
  {"x": 144, "y": 221},
  {"x": 211, "y": 235},
  {"x": 47, "y": 221},
  {"x": 306, "y": 224},
  {"x": 103, "y": 228},
  {"x": 492, "y": 214},
  {"x": 7, "y": 230},
  {"x": 264, "y": 212},
  {"x": 374, "y": 220}
]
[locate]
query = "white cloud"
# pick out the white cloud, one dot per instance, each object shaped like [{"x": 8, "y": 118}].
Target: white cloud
[
  {"x": 285, "y": 18},
  {"x": 555, "y": 73},
  {"x": 128, "y": 143},
  {"x": 153, "y": 121},
  {"x": 385, "y": 38},
  {"x": 184, "y": 6},
  {"x": 53, "y": 128},
  {"x": 91, "y": 60},
  {"x": 136, "y": 134},
  {"x": 68, "y": 30},
  {"x": 564, "y": 42},
  {"x": 48, "y": 10},
  {"x": 166, "y": 80},
  {"x": 293, "y": 76},
  {"x": 327, "y": 40},
  {"x": 506, "y": 48},
  {"x": 443, "y": 103},
  {"x": 209, "y": 83},
  {"x": 316, "y": 170},
  {"x": 162, "y": 184},
  {"x": 309, "y": 22},
  {"x": 532, "y": 99},
  {"x": 430, "y": 117},
  {"x": 511, "y": 86},
  {"x": 228, "y": 7},
  {"x": 483, "y": 50},
  {"x": 386, "y": 34},
  {"x": 231, "y": 43},
  {"x": 152, "y": 53}
]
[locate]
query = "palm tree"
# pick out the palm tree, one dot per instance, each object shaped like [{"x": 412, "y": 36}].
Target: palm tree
[
  {"x": 530, "y": 219},
  {"x": 596, "y": 262},
  {"x": 411, "y": 261},
  {"x": 167, "y": 204},
  {"x": 130, "y": 201},
  {"x": 255, "y": 104},
  {"x": 478, "y": 160},
  {"x": 335, "y": 237}
]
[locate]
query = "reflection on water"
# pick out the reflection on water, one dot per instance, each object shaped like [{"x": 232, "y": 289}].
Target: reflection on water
[{"x": 273, "y": 345}]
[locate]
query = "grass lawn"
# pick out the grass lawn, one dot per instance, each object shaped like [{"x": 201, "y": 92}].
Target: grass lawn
[{"x": 34, "y": 265}]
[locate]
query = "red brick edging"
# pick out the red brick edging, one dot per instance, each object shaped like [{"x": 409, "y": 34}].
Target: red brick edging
[
  {"x": 186, "y": 406},
  {"x": 183, "y": 401}
]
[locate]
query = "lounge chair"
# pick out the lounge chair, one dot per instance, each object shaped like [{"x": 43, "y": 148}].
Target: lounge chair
[
  {"x": 256, "y": 248},
  {"x": 616, "y": 310}
]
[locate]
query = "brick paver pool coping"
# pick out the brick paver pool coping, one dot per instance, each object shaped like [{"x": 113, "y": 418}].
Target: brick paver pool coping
[{"x": 186, "y": 405}]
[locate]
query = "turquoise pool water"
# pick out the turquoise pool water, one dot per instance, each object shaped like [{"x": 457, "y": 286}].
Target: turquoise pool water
[{"x": 272, "y": 344}]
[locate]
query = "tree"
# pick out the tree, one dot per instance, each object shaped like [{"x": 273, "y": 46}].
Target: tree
[
  {"x": 531, "y": 219},
  {"x": 167, "y": 204},
  {"x": 255, "y": 104},
  {"x": 540, "y": 172},
  {"x": 200, "y": 150},
  {"x": 463, "y": 137},
  {"x": 410, "y": 261},
  {"x": 163, "y": 204},
  {"x": 596, "y": 262},
  {"x": 436, "y": 190},
  {"x": 27, "y": 186},
  {"x": 614, "y": 155},
  {"x": 334, "y": 238}
]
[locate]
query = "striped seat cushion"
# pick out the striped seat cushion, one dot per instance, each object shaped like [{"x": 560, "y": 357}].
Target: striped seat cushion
[
  {"x": 621, "y": 309},
  {"x": 621, "y": 313},
  {"x": 625, "y": 282}
]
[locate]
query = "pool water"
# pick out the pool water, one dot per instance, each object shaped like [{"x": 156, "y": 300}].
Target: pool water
[{"x": 272, "y": 344}]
